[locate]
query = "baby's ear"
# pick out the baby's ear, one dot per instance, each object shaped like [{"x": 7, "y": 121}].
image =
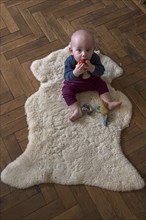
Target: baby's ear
[{"x": 69, "y": 48}]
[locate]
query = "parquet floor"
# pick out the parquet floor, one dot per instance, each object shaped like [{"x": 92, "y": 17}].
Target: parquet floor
[{"x": 31, "y": 29}]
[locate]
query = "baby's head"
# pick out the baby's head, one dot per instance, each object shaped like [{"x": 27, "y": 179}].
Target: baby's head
[{"x": 82, "y": 45}]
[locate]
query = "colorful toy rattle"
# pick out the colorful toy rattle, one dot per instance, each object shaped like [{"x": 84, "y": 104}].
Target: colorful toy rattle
[{"x": 102, "y": 108}]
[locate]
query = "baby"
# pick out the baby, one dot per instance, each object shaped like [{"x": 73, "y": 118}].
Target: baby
[{"x": 84, "y": 59}]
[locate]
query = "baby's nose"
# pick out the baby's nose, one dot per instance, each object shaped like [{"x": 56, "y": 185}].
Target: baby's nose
[{"x": 84, "y": 53}]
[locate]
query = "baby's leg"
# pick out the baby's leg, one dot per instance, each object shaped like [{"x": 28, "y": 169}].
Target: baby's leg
[
  {"x": 107, "y": 99},
  {"x": 105, "y": 95},
  {"x": 69, "y": 94},
  {"x": 75, "y": 112}
]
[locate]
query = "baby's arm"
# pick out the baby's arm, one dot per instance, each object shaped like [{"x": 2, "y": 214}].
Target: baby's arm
[
  {"x": 90, "y": 67},
  {"x": 71, "y": 71},
  {"x": 99, "y": 68},
  {"x": 68, "y": 69},
  {"x": 79, "y": 69}
]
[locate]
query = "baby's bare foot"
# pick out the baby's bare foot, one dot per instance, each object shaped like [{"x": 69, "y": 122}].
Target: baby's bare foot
[
  {"x": 113, "y": 105},
  {"x": 75, "y": 115}
]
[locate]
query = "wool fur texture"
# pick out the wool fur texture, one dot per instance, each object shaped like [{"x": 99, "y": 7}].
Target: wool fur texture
[{"x": 83, "y": 152}]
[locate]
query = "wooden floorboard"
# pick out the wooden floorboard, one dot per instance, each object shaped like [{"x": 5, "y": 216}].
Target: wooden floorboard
[{"x": 31, "y": 29}]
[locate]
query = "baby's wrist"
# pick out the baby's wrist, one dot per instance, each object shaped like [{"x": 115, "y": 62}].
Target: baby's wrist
[
  {"x": 75, "y": 73},
  {"x": 93, "y": 69}
]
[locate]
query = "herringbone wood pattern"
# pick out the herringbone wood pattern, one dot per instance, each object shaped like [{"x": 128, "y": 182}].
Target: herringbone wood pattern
[{"x": 31, "y": 29}]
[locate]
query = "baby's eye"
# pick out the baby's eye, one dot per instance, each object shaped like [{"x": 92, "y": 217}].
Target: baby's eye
[
  {"x": 87, "y": 50},
  {"x": 79, "y": 50}
]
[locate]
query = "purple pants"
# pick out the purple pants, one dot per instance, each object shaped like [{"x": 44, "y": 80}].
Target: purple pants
[{"x": 71, "y": 88}]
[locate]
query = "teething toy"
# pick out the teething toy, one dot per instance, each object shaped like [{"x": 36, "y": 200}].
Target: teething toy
[{"x": 102, "y": 108}]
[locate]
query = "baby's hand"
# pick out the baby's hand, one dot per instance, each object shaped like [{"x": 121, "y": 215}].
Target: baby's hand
[
  {"x": 89, "y": 66},
  {"x": 79, "y": 69}
]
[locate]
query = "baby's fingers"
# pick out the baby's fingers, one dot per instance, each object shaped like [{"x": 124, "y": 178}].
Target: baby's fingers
[
  {"x": 80, "y": 66},
  {"x": 87, "y": 62}
]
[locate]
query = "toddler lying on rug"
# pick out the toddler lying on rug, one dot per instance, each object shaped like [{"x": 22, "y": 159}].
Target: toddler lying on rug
[{"x": 83, "y": 59}]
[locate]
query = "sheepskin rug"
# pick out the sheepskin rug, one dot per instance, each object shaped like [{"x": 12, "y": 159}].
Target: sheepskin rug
[{"x": 83, "y": 152}]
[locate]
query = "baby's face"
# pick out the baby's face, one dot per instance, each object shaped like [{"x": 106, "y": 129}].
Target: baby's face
[{"x": 82, "y": 48}]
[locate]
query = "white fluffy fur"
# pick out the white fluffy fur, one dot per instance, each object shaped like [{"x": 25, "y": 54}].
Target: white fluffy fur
[{"x": 83, "y": 152}]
